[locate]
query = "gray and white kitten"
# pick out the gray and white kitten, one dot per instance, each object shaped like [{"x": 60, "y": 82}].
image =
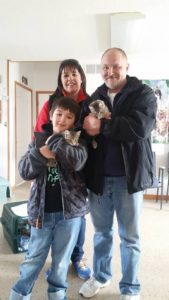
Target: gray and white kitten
[{"x": 99, "y": 109}]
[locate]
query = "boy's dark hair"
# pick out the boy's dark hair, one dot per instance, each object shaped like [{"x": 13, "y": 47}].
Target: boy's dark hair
[{"x": 66, "y": 103}]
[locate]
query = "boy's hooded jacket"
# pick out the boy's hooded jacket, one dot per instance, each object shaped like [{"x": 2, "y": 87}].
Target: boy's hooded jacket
[{"x": 70, "y": 159}]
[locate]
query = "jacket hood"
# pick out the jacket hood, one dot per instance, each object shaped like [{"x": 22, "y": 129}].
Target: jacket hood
[
  {"x": 41, "y": 137},
  {"x": 133, "y": 83},
  {"x": 47, "y": 129}
]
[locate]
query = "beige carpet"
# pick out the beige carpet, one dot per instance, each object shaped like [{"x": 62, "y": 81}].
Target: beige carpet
[{"x": 154, "y": 268}]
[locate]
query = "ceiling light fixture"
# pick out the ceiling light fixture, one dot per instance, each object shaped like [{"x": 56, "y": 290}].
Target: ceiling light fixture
[{"x": 127, "y": 30}]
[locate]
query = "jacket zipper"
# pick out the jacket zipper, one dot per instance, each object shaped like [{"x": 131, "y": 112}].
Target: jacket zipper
[
  {"x": 38, "y": 222},
  {"x": 61, "y": 193}
]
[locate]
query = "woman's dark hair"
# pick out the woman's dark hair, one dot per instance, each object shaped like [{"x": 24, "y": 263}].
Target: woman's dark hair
[
  {"x": 72, "y": 64},
  {"x": 66, "y": 103}
]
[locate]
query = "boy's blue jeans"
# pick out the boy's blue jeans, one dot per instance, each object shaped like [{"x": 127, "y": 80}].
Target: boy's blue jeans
[
  {"x": 59, "y": 234},
  {"x": 115, "y": 199},
  {"x": 78, "y": 249}
]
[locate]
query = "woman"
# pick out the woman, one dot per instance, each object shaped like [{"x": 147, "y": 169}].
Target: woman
[{"x": 71, "y": 82}]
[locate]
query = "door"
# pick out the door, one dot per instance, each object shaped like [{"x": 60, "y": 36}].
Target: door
[
  {"x": 23, "y": 123},
  {"x": 4, "y": 138}
]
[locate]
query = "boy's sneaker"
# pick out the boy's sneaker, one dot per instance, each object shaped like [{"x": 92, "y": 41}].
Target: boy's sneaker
[
  {"x": 91, "y": 287},
  {"x": 81, "y": 269},
  {"x": 130, "y": 297}
]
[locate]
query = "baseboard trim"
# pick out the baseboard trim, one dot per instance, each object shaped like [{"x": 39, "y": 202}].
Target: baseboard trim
[{"x": 153, "y": 197}]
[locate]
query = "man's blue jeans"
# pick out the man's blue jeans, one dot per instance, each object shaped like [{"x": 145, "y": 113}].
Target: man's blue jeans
[
  {"x": 115, "y": 198},
  {"x": 59, "y": 234}
]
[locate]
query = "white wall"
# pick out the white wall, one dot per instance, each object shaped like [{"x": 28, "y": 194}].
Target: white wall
[
  {"x": 3, "y": 124},
  {"x": 149, "y": 66}
]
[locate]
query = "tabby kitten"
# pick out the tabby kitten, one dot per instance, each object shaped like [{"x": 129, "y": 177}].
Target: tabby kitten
[{"x": 72, "y": 137}]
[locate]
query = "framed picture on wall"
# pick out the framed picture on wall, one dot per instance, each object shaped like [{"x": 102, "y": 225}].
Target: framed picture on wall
[
  {"x": 161, "y": 88},
  {"x": 41, "y": 97}
]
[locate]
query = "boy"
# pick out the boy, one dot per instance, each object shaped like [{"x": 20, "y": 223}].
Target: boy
[{"x": 57, "y": 202}]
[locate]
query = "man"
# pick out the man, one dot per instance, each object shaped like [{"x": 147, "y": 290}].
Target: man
[{"x": 119, "y": 168}]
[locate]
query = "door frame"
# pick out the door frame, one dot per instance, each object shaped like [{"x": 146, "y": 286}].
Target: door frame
[{"x": 18, "y": 84}]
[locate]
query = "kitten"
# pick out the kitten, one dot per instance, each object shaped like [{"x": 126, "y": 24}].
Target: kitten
[
  {"x": 99, "y": 109},
  {"x": 52, "y": 162},
  {"x": 72, "y": 137}
]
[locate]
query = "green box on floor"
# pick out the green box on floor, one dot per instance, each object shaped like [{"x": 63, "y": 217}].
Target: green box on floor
[{"x": 16, "y": 229}]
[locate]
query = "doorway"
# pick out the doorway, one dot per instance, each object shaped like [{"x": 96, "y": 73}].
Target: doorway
[{"x": 23, "y": 123}]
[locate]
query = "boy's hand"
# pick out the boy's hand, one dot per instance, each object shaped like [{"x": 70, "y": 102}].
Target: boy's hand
[{"x": 46, "y": 152}]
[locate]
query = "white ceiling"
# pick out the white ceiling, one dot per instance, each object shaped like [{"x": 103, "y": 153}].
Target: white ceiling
[{"x": 51, "y": 30}]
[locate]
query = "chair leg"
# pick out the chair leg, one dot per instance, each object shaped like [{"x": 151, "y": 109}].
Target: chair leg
[
  {"x": 167, "y": 187},
  {"x": 161, "y": 180},
  {"x": 161, "y": 200},
  {"x": 8, "y": 192}
]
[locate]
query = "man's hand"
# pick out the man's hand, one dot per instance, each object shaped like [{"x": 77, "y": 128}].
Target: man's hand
[{"x": 91, "y": 125}]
